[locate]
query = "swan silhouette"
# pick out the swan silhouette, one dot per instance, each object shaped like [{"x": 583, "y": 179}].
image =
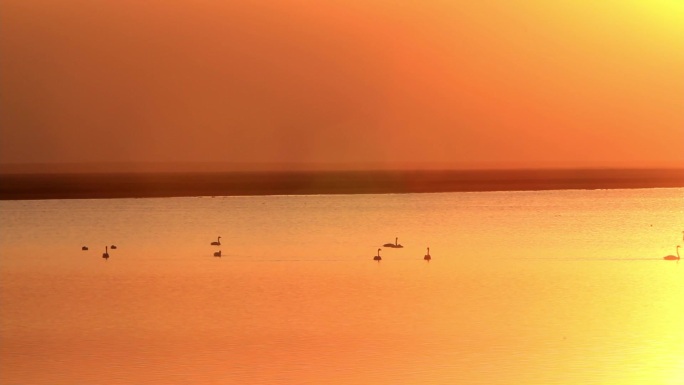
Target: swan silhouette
[
  {"x": 113, "y": 247},
  {"x": 427, "y": 256},
  {"x": 395, "y": 245},
  {"x": 84, "y": 248},
  {"x": 673, "y": 257},
  {"x": 217, "y": 242},
  {"x": 217, "y": 253},
  {"x": 105, "y": 255},
  {"x": 377, "y": 257}
]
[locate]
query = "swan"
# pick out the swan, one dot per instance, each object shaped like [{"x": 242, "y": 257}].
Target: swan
[
  {"x": 427, "y": 256},
  {"x": 105, "y": 255},
  {"x": 395, "y": 245},
  {"x": 217, "y": 243},
  {"x": 673, "y": 257},
  {"x": 217, "y": 253},
  {"x": 113, "y": 247},
  {"x": 84, "y": 248},
  {"x": 377, "y": 257}
]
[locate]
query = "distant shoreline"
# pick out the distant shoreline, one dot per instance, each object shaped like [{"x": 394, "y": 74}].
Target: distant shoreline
[{"x": 148, "y": 185}]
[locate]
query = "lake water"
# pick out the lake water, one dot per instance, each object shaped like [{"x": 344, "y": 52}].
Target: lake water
[{"x": 552, "y": 287}]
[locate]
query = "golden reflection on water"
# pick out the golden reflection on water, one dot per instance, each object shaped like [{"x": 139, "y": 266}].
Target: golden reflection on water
[{"x": 297, "y": 299}]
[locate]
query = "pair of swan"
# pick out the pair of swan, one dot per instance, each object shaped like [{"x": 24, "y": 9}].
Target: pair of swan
[
  {"x": 427, "y": 256},
  {"x": 217, "y": 243}
]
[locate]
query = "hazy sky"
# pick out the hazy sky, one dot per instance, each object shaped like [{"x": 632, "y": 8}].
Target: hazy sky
[{"x": 467, "y": 83}]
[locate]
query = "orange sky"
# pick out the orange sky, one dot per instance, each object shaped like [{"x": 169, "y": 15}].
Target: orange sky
[{"x": 344, "y": 82}]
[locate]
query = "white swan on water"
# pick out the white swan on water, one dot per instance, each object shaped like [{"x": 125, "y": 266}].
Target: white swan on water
[{"x": 673, "y": 257}]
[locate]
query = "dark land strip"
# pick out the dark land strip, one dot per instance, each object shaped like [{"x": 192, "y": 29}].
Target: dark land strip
[{"x": 131, "y": 185}]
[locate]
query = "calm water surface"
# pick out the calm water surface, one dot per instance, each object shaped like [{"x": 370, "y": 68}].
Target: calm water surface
[{"x": 555, "y": 287}]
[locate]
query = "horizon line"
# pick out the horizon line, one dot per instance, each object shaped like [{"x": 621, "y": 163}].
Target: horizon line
[{"x": 248, "y": 167}]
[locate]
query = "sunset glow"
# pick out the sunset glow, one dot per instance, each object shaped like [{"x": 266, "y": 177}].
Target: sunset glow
[
  {"x": 337, "y": 192},
  {"x": 459, "y": 83}
]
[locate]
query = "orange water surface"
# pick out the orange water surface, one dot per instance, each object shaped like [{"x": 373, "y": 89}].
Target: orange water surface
[{"x": 555, "y": 287}]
